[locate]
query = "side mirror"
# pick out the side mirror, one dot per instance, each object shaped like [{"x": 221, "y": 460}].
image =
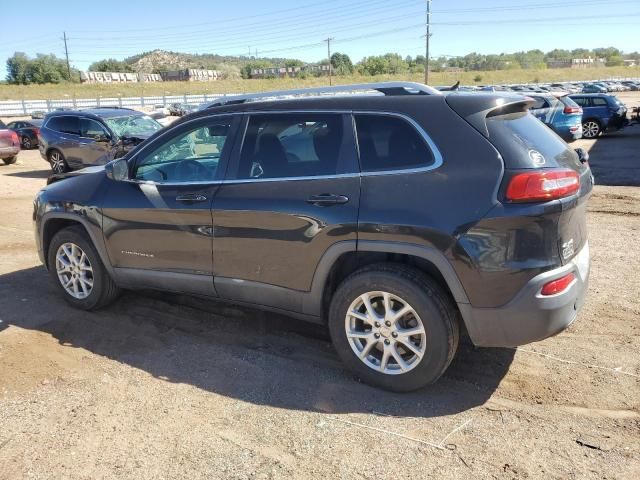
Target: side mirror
[
  {"x": 117, "y": 170},
  {"x": 583, "y": 155}
]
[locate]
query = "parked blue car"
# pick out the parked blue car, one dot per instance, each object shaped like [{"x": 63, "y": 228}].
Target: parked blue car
[
  {"x": 601, "y": 113},
  {"x": 561, "y": 115}
]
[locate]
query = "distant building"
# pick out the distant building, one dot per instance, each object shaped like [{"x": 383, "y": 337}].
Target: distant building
[
  {"x": 108, "y": 77},
  {"x": 631, "y": 63},
  {"x": 190, "y": 75},
  {"x": 118, "y": 77},
  {"x": 576, "y": 63}
]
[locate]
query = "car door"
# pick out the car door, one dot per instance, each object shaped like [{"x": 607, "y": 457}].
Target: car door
[
  {"x": 94, "y": 145},
  {"x": 67, "y": 137},
  {"x": 292, "y": 192},
  {"x": 157, "y": 226},
  {"x": 600, "y": 109}
]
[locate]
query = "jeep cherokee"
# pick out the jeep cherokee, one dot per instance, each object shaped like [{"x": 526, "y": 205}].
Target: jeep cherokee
[{"x": 398, "y": 216}]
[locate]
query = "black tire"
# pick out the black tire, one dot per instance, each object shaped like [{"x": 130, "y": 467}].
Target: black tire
[
  {"x": 438, "y": 313},
  {"x": 26, "y": 143},
  {"x": 57, "y": 161},
  {"x": 104, "y": 290},
  {"x": 591, "y": 128},
  {"x": 10, "y": 160}
]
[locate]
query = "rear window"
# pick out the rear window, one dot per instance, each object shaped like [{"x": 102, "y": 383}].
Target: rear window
[
  {"x": 65, "y": 124},
  {"x": 599, "y": 102},
  {"x": 525, "y": 142},
  {"x": 390, "y": 143},
  {"x": 569, "y": 102}
]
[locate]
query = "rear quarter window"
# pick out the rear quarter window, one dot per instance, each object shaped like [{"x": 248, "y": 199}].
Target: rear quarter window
[
  {"x": 390, "y": 143},
  {"x": 65, "y": 124}
]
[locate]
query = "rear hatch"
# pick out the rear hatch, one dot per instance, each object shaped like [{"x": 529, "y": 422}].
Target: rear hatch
[
  {"x": 529, "y": 149},
  {"x": 525, "y": 145}
]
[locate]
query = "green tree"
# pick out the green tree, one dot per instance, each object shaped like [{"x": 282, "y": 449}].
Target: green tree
[
  {"x": 341, "y": 64},
  {"x": 110, "y": 65},
  {"x": 17, "y": 66},
  {"x": 615, "y": 61}
]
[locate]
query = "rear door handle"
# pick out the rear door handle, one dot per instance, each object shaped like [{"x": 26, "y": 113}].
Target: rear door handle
[
  {"x": 327, "y": 199},
  {"x": 191, "y": 198}
]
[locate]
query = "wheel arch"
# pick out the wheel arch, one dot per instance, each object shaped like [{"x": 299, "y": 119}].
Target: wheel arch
[
  {"x": 53, "y": 222},
  {"x": 344, "y": 258}
]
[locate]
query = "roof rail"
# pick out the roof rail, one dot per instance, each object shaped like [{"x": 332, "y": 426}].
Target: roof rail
[{"x": 386, "y": 88}]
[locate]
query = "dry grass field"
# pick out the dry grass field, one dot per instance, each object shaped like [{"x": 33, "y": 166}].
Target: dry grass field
[{"x": 37, "y": 92}]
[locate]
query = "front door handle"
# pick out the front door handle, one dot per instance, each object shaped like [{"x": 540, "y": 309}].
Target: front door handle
[
  {"x": 191, "y": 198},
  {"x": 327, "y": 199}
]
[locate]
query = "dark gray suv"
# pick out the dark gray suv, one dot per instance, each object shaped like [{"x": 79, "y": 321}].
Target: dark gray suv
[
  {"x": 398, "y": 218},
  {"x": 70, "y": 139}
]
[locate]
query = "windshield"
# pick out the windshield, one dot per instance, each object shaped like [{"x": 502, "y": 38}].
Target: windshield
[{"x": 133, "y": 126}]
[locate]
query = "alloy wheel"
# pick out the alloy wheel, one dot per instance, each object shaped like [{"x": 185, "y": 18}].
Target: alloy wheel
[
  {"x": 26, "y": 143},
  {"x": 57, "y": 162},
  {"x": 590, "y": 129},
  {"x": 74, "y": 270},
  {"x": 385, "y": 333}
]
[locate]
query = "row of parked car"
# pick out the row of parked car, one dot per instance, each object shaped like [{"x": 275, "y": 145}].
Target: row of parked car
[
  {"x": 561, "y": 88},
  {"x": 74, "y": 139}
]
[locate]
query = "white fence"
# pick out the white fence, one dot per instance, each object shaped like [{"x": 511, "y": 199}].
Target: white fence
[{"x": 26, "y": 107}]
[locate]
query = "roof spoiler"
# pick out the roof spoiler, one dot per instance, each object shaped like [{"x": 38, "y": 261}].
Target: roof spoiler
[{"x": 475, "y": 108}]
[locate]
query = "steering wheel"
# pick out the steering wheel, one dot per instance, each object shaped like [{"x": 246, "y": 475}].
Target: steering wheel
[{"x": 191, "y": 170}]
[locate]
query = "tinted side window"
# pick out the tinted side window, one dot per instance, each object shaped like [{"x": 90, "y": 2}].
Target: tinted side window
[
  {"x": 191, "y": 156},
  {"x": 582, "y": 101},
  {"x": 292, "y": 145},
  {"x": 390, "y": 143},
  {"x": 599, "y": 102},
  {"x": 91, "y": 129},
  {"x": 65, "y": 124}
]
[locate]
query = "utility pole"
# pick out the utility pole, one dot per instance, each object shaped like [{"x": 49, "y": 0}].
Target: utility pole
[
  {"x": 328, "y": 40},
  {"x": 427, "y": 37},
  {"x": 66, "y": 53}
]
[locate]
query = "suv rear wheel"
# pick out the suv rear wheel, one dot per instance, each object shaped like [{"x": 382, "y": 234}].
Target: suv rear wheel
[
  {"x": 10, "y": 160},
  {"x": 394, "y": 327},
  {"x": 76, "y": 268},
  {"x": 57, "y": 161}
]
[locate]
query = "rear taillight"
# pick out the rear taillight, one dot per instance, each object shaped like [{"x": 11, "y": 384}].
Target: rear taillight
[
  {"x": 542, "y": 185},
  {"x": 14, "y": 138},
  {"x": 570, "y": 110},
  {"x": 557, "y": 286}
]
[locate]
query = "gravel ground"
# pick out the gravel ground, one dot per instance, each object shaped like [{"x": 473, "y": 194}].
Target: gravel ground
[{"x": 162, "y": 386}]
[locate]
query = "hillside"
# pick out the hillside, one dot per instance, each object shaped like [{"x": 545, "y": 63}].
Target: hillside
[{"x": 159, "y": 60}]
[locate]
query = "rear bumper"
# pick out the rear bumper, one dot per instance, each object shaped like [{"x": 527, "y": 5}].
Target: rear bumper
[
  {"x": 6, "y": 152},
  {"x": 530, "y": 317}
]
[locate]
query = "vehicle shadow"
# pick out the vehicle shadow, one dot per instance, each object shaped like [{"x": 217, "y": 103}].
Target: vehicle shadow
[
  {"x": 31, "y": 174},
  {"x": 614, "y": 158},
  {"x": 245, "y": 354}
]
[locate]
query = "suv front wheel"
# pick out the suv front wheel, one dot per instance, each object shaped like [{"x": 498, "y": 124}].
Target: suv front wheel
[
  {"x": 394, "y": 327},
  {"x": 76, "y": 268}
]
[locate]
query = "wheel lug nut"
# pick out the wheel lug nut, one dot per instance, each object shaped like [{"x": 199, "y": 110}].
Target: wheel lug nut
[
  {"x": 387, "y": 342},
  {"x": 394, "y": 334},
  {"x": 387, "y": 323},
  {"x": 377, "y": 335},
  {"x": 377, "y": 324}
]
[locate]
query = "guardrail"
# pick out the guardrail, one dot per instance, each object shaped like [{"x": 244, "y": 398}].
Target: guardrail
[{"x": 12, "y": 108}]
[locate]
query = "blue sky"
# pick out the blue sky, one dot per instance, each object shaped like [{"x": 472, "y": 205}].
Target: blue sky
[{"x": 295, "y": 28}]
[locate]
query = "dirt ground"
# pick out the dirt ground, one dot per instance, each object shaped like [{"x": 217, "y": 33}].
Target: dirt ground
[{"x": 163, "y": 386}]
